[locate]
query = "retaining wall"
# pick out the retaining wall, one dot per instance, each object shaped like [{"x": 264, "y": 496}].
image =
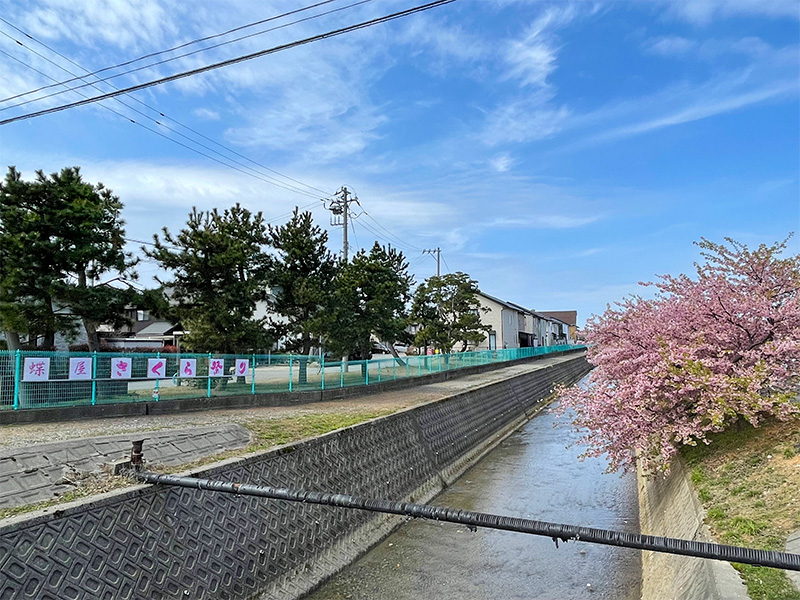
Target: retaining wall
[
  {"x": 154, "y": 542},
  {"x": 670, "y": 507}
]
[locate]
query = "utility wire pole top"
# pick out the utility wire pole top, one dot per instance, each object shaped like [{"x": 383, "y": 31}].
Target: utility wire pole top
[
  {"x": 438, "y": 253},
  {"x": 339, "y": 206}
]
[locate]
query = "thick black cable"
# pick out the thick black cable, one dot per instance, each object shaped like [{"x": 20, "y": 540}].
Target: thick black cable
[
  {"x": 174, "y": 58},
  {"x": 152, "y": 54},
  {"x": 232, "y": 61},
  {"x": 254, "y": 173},
  {"x": 556, "y": 531}
]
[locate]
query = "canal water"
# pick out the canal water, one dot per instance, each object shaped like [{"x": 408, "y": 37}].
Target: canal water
[{"x": 531, "y": 474}]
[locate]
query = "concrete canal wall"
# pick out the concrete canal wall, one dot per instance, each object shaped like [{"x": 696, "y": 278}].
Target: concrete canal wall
[
  {"x": 670, "y": 507},
  {"x": 151, "y": 542}
]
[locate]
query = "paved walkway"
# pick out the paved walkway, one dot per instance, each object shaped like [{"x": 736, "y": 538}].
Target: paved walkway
[
  {"x": 40, "y": 461},
  {"x": 41, "y": 471}
]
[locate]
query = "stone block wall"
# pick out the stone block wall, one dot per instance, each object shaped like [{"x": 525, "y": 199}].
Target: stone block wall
[{"x": 161, "y": 542}]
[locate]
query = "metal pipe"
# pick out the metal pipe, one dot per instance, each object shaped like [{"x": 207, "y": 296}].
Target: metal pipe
[{"x": 556, "y": 531}]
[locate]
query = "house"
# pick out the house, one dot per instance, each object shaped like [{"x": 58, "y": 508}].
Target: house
[
  {"x": 570, "y": 317},
  {"x": 514, "y": 326}
]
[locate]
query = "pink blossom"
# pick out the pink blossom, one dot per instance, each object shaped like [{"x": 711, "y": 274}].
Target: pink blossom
[{"x": 703, "y": 353}]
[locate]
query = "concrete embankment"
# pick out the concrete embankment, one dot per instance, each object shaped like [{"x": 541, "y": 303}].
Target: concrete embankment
[
  {"x": 670, "y": 507},
  {"x": 152, "y": 542}
]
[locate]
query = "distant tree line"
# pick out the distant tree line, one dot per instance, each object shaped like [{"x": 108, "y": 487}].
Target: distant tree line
[{"x": 236, "y": 283}]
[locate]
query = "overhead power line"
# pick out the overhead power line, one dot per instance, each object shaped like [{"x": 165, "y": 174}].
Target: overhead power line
[
  {"x": 173, "y": 58},
  {"x": 266, "y": 178},
  {"x": 152, "y": 54},
  {"x": 232, "y": 61}
]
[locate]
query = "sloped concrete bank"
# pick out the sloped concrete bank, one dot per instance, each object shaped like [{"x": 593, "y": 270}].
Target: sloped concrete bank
[
  {"x": 670, "y": 507},
  {"x": 153, "y": 542}
]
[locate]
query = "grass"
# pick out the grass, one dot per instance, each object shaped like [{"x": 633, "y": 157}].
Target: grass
[{"x": 749, "y": 482}]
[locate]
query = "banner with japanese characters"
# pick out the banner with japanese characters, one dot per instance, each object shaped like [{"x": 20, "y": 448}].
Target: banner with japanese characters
[
  {"x": 216, "y": 367},
  {"x": 188, "y": 367},
  {"x": 121, "y": 368},
  {"x": 242, "y": 365},
  {"x": 80, "y": 368},
  {"x": 36, "y": 369},
  {"x": 156, "y": 367}
]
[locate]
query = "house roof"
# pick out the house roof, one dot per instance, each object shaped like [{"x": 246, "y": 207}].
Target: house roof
[
  {"x": 570, "y": 317},
  {"x": 156, "y": 329},
  {"x": 508, "y": 305}
]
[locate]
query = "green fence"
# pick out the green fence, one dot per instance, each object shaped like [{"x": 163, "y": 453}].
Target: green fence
[{"x": 31, "y": 379}]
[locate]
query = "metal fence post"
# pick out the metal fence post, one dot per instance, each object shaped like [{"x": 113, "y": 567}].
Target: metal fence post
[
  {"x": 17, "y": 361},
  {"x": 155, "y": 396},
  {"x": 290, "y": 372},
  {"x": 341, "y": 374},
  {"x": 379, "y": 371},
  {"x": 208, "y": 391},
  {"x": 366, "y": 363},
  {"x": 94, "y": 377},
  {"x": 253, "y": 376},
  {"x": 322, "y": 372}
]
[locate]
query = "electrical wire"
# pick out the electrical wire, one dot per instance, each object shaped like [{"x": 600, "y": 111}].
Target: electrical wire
[
  {"x": 232, "y": 61},
  {"x": 152, "y": 54},
  {"x": 400, "y": 241},
  {"x": 261, "y": 176},
  {"x": 445, "y": 262},
  {"x": 166, "y": 60}
]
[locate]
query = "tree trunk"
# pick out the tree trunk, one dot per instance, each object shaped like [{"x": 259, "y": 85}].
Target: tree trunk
[
  {"x": 394, "y": 353},
  {"x": 12, "y": 339},
  {"x": 303, "y": 368},
  {"x": 92, "y": 339}
]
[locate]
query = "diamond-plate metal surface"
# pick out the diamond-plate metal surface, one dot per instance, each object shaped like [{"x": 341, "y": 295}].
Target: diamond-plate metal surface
[{"x": 159, "y": 543}]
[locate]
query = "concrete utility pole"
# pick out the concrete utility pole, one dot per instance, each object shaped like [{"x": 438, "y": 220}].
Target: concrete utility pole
[
  {"x": 339, "y": 205},
  {"x": 438, "y": 253}
]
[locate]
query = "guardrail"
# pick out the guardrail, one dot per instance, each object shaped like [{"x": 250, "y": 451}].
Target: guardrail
[{"x": 33, "y": 379}]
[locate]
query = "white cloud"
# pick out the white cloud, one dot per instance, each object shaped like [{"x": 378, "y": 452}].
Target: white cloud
[
  {"x": 502, "y": 162},
  {"x": 702, "y": 12},
  {"x": 524, "y": 120},
  {"x": 670, "y": 46},
  {"x": 206, "y": 114},
  {"x": 124, "y": 25}
]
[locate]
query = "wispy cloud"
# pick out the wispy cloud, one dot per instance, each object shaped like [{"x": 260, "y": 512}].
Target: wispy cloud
[{"x": 703, "y": 12}]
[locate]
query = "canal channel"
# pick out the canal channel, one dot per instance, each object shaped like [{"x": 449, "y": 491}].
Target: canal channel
[{"x": 534, "y": 473}]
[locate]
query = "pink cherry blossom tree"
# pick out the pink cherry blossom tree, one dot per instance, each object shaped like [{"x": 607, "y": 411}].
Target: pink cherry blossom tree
[{"x": 705, "y": 352}]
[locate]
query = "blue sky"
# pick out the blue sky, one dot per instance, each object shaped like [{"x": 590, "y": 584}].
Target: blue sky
[{"x": 558, "y": 152}]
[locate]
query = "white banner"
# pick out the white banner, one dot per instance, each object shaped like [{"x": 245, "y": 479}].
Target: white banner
[
  {"x": 242, "y": 366},
  {"x": 80, "y": 368},
  {"x": 36, "y": 369},
  {"x": 121, "y": 368},
  {"x": 216, "y": 367},
  {"x": 156, "y": 368},
  {"x": 188, "y": 367}
]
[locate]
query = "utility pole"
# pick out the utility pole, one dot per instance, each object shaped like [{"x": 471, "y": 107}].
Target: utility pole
[
  {"x": 339, "y": 206},
  {"x": 438, "y": 253}
]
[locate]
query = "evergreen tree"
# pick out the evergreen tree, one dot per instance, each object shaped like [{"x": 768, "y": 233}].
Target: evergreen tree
[
  {"x": 371, "y": 296},
  {"x": 219, "y": 269},
  {"x": 57, "y": 235},
  {"x": 301, "y": 276},
  {"x": 446, "y": 311}
]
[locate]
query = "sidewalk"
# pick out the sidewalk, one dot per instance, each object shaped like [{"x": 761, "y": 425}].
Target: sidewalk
[{"x": 39, "y": 461}]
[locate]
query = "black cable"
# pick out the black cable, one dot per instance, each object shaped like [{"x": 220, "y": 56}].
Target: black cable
[
  {"x": 400, "y": 242},
  {"x": 166, "y": 60},
  {"x": 152, "y": 54},
  {"x": 266, "y": 178},
  {"x": 232, "y": 61},
  {"x": 556, "y": 531}
]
